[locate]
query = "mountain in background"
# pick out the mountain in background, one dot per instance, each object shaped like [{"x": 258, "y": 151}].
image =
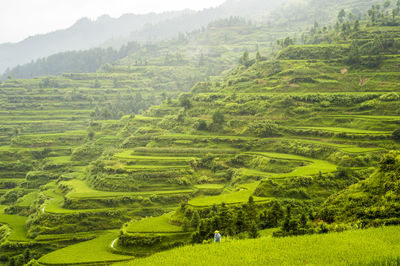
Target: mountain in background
[
  {"x": 306, "y": 12},
  {"x": 152, "y": 28},
  {"x": 85, "y": 34}
]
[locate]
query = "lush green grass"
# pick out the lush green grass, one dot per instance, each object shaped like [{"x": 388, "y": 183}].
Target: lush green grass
[
  {"x": 63, "y": 237},
  {"x": 352, "y": 247},
  {"x": 27, "y": 200},
  {"x": 313, "y": 168},
  {"x": 17, "y": 224},
  {"x": 210, "y": 186},
  {"x": 348, "y": 130},
  {"x": 343, "y": 147},
  {"x": 240, "y": 196},
  {"x": 153, "y": 225},
  {"x": 93, "y": 251},
  {"x": 81, "y": 190},
  {"x": 130, "y": 155},
  {"x": 368, "y": 117}
]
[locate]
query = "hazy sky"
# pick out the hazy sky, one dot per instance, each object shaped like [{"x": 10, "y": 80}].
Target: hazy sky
[{"x": 23, "y": 18}]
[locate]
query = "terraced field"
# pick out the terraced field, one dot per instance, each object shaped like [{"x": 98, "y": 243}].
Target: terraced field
[
  {"x": 85, "y": 157},
  {"x": 17, "y": 225},
  {"x": 362, "y": 247},
  {"x": 100, "y": 252}
]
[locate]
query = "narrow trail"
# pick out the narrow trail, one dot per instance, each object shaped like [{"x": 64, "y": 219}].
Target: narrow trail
[{"x": 112, "y": 244}]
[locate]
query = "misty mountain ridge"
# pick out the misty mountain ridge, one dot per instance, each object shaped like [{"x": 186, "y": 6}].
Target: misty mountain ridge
[
  {"x": 85, "y": 33},
  {"x": 151, "y": 28}
]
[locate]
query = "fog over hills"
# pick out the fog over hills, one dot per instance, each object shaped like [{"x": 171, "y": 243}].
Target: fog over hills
[
  {"x": 115, "y": 32},
  {"x": 86, "y": 33}
]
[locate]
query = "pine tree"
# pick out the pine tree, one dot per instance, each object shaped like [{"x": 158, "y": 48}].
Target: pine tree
[
  {"x": 195, "y": 222},
  {"x": 253, "y": 232},
  {"x": 245, "y": 60},
  {"x": 303, "y": 221},
  {"x": 240, "y": 222},
  {"x": 341, "y": 15},
  {"x": 356, "y": 26},
  {"x": 354, "y": 57},
  {"x": 258, "y": 56}
]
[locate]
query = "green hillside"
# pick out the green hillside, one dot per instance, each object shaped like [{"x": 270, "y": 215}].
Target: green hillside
[
  {"x": 294, "y": 143},
  {"x": 369, "y": 247},
  {"x": 372, "y": 201}
]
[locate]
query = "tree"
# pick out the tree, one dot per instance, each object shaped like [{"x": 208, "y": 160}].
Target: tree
[
  {"x": 286, "y": 42},
  {"x": 195, "y": 222},
  {"x": 186, "y": 224},
  {"x": 253, "y": 232},
  {"x": 184, "y": 101},
  {"x": 27, "y": 255},
  {"x": 356, "y": 26},
  {"x": 251, "y": 214},
  {"x": 275, "y": 214},
  {"x": 245, "y": 60},
  {"x": 240, "y": 222},
  {"x": 341, "y": 15},
  {"x": 354, "y": 57},
  {"x": 201, "y": 125},
  {"x": 91, "y": 134},
  {"x": 258, "y": 56},
  {"x": 396, "y": 134},
  {"x": 218, "y": 118},
  {"x": 303, "y": 221}
]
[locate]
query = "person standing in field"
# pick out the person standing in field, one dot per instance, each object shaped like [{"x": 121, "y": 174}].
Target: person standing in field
[{"x": 217, "y": 237}]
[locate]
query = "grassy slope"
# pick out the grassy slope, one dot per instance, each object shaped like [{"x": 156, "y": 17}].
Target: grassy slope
[
  {"x": 153, "y": 225},
  {"x": 311, "y": 169},
  {"x": 346, "y": 248},
  {"x": 17, "y": 224},
  {"x": 242, "y": 195},
  {"x": 93, "y": 251}
]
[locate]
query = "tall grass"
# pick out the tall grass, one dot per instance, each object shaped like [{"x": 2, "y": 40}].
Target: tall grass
[{"x": 379, "y": 246}]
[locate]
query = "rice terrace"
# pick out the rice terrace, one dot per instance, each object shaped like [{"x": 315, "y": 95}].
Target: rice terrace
[{"x": 253, "y": 132}]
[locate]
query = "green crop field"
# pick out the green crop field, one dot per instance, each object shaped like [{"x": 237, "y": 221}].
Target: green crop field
[
  {"x": 348, "y": 130},
  {"x": 277, "y": 135},
  {"x": 241, "y": 195},
  {"x": 17, "y": 224},
  {"x": 153, "y": 225},
  {"x": 81, "y": 190},
  {"x": 314, "y": 168},
  {"x": 349, "y": 248},
  {"x": 27, "y": 200},
  {"x": 93, "y": 251}
]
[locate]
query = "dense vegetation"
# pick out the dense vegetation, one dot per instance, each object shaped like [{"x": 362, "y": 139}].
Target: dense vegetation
[
  {"x": 294, "y": 143},
  {"x": 87, "y": 61}
]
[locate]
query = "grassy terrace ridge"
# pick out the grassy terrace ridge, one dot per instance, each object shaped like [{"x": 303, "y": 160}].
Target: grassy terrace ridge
[
  {"x": 344, "y": 147},
  {"x": 368, "y": 117},
  {"x": 80, "y": 190},
  {"x": 17, "y": 225},
  {"x": 316, "y": 166},
  {"x": 349, "y": 130},
  {"x": 240, "y": 195},
  {"x": 359, "y": 247},
  {"x": 153, "y": 225},
  {"x": 130, "y": 155},
  {"x": 97, "y": 251},
  {"x": 261, "y": 148}
]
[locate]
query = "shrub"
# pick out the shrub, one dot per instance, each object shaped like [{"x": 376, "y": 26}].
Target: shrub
[
  {"x": 396, "y": 134},
  {"x": 389, "y": 97},
  {"x": 264, "y": 129}
]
